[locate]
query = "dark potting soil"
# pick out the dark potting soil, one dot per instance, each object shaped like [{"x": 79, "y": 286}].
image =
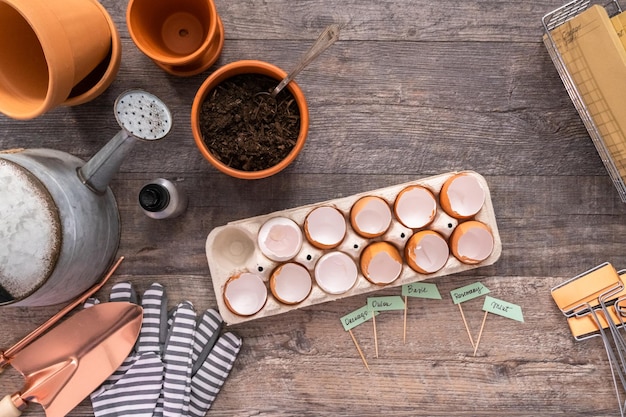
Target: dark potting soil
[{"x": 248, "y": 132}]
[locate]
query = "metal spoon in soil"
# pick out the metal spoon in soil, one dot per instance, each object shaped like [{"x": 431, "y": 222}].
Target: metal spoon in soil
[{"x": 326, "y": 39}]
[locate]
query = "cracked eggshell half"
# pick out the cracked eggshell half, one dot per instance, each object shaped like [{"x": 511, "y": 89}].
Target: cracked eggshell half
[
  {"x": 370, "y": 216},
  {"x": 472, "y": 242},
  {"x": 381, "y": 263},
  {"x": 426, "y": 252},
  {"x": 245, "y": 294},
  {"x": 291, "y": 283},
  {"x": 462, "y": 196},
  {"x": 415, "y": 207},
  {"x": 280, "y": 239},
  {"x": 325, "y": 227},
  {"x": 336, "y": 273}
]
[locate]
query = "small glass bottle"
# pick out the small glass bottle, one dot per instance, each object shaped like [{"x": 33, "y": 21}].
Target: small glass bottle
[{"x": 160, "y": 199}]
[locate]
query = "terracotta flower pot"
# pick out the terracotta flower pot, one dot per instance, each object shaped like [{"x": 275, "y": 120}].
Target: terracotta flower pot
[
  {"x": 55, "y": 52},
  {"x": 239, "y": 68},
  {"x": 183, "y": 37}
]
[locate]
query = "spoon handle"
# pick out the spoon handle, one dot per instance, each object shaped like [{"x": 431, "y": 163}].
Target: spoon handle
[{"x": 327, "y": 38}]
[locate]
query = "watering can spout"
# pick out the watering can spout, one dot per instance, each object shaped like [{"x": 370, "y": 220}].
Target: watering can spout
[
  {"x": 142, "y": 116},
  {"x": 98, "y": 172}
]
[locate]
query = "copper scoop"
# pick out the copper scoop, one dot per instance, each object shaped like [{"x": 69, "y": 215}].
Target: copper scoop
[
  {"x": 6, "y": 356},
  {"x": 66, "y": 364}
]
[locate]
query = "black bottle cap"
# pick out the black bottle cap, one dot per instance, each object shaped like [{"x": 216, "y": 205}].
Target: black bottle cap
[{"x": 153, "y": 197}]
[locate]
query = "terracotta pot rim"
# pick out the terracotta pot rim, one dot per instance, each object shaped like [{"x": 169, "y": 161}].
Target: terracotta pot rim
[
  {"x": 186, "y": 60},
  {"x": 248, "y": 67},
  {"x": 110, "y": 74}
]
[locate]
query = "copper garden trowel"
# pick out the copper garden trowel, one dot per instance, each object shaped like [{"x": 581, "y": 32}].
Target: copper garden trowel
[{"x": 67, "y": 363}]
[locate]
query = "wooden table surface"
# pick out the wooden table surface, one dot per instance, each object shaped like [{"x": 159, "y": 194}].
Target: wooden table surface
[{"x": 412, "y": 89}]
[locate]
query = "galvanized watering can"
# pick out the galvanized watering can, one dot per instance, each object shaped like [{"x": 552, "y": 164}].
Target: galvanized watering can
[{"x": 59, "y": 222}]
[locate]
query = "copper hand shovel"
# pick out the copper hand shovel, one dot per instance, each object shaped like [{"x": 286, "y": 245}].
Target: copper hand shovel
[
  {"x": 5, "y": 357},
  {"x": 66, "y": 364}
]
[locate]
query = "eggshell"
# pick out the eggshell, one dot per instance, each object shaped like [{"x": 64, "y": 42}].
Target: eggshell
[
  {"x": 325, "y": 227},
  {"x": 472, "y": 242},
  {"x": 462, "y": 196},
  {"x": 280, "y": 239},
  {"x": 336, "y": 272},
  {"x": 381, "y": 263},
  {"x": 291, "y": 283},
  {"x": 426, "y": 252},
  {"x": 245, "y": 294},
  {"x": 415, "y": 207},
  {"x": 370, "y": 216}
]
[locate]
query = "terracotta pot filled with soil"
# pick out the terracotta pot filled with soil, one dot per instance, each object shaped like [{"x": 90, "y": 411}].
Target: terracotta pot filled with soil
[{"x": 243, "y": 133}]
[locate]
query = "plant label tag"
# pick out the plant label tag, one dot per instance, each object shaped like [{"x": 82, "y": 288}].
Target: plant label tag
[
  {"x": 503, "y": 308},
  {"x": 421, "y": 290},
  {"x": 468, "y": 292},
  {"x": 357, "y": 317},
  {"x": 393, "y": 302}
]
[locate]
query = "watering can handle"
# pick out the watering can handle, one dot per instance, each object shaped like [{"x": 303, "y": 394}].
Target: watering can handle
[{"x": 8, "y": 408}]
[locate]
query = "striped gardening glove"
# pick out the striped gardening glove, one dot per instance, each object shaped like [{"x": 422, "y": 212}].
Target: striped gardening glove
[{"x": 179, "y": 363}]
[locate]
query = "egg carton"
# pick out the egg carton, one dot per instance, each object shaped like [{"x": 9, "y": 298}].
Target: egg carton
[{"x": 233, "y": 249}]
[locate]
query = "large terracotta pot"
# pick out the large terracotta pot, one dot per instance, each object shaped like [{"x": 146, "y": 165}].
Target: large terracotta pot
[
  {"x": 55, "y": 52},
  {"x": 248, "y": 67},
  {"x": 183, "y": 37}
]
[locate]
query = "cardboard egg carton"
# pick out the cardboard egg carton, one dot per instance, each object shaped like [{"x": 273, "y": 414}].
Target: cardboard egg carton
[{"x": 232, "y": 249}]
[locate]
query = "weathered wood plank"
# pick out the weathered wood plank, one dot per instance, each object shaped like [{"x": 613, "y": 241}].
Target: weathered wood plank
[
  {"x": 372, "y": 117},
  {"x": 415, "y": 20}
]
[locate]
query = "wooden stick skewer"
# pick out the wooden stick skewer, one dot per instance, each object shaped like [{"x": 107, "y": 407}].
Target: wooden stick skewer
[
  {"x": 482, "y": 326},
  {"x": 466, "y": 326},
  {"x": 375, "y": 333},
  {"x": 360, "y": 351},
  {"x": 405, "y": 313}
]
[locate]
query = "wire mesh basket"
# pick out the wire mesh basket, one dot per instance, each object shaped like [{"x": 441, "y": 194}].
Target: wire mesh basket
[{"x": 575, "y": 34}]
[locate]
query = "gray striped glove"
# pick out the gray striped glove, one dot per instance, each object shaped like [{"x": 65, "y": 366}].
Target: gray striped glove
[{"x": 179, "y": 364}]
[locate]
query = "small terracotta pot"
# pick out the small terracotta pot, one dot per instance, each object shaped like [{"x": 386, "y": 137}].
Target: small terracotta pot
[
  {"x": 248, "y": 67},
  {"x": 183, "y": 37},
  {"x": 55, "y": 52}
]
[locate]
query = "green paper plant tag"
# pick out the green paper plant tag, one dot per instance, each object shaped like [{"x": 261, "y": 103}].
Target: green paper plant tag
[
  {"x": 468, "y": 292},
  {"x": 421, "y": 290},
  {"x": 392, "y": 302},
  {"x": 503, "y": 308},
  {"x": 360, "y": 316}
]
